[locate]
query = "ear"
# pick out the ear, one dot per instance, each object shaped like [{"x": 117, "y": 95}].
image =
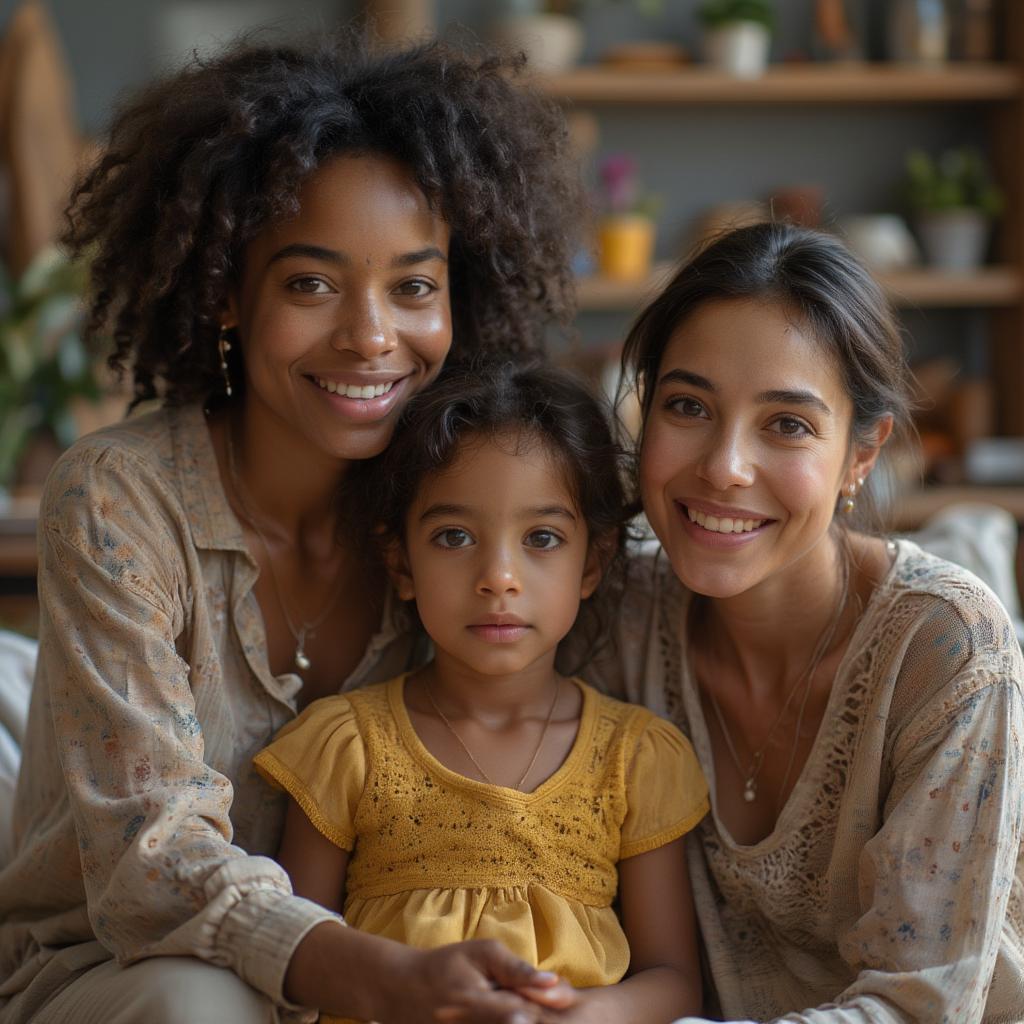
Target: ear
[
  {"x": 398, "y": 570},
  {"x": 229, "y": 315},
  {"x": 865, "y": 456},
  {"x": 599, "y": 555}
]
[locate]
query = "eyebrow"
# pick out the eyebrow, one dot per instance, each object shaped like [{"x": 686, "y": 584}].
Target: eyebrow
[
  {"x": 785, "y": 396},
  {"x": 340, "y": 259},
  {"x": 440, "y": 511}
]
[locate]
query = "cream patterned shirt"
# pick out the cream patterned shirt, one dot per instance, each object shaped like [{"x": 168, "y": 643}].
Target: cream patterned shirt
[
  {"x": 892, "y": 888},
  {"x": 140, "y": 821}
]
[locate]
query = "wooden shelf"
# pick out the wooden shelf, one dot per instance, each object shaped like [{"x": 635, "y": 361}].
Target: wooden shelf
[
  {"x": 805, "y": 83},
  {"x": 914, "y": 507},
  {"x": 991, "y": 287}
]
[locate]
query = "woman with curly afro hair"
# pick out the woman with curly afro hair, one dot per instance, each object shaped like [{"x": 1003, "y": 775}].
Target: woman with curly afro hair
[{"x": 286, "y": 245}]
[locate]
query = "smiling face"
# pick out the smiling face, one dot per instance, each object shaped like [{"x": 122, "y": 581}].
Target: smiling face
[
  {"x": 746, "y": 447},
  {"x": 343, "y": 312},
  {"x": 496, "y": 557}
]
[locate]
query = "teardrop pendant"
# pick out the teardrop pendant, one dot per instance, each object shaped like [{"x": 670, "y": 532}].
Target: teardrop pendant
[
  {"x": 301, "y": 661},
  {"x": 750, "y": 791}
]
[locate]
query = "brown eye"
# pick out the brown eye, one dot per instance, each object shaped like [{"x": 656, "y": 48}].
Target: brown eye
[
  {"x": 543, "y": 540},
  {"x": 452, "y": 538}
]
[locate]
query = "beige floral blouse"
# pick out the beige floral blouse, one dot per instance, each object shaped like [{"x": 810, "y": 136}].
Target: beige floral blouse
[
  {"x": 140, "y": 821},
  {"x": 892, "y": 887}
]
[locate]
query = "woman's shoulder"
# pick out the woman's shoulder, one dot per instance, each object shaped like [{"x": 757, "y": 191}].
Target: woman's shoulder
[
  {"x": 157, "y": 467},
  {"x": 941, "y": 636}
]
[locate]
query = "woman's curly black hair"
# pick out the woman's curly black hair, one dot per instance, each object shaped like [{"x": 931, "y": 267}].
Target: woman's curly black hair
[{"x": 199, "y": 162}]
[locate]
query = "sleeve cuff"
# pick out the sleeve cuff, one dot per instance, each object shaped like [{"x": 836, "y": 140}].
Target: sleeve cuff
[{"x": 261, "y": 933}]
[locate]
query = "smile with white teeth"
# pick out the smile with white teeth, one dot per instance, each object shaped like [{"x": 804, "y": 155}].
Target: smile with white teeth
[
  {"x": 354, "y": 390},
  {"x": 723, "y": 524}
]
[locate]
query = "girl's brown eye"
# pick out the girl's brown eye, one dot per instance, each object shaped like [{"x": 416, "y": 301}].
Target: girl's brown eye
[{"x": 543, "y": 540}]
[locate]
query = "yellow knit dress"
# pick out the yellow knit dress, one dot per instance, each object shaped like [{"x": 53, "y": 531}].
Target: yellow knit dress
[{"x": 438, "y": 857}]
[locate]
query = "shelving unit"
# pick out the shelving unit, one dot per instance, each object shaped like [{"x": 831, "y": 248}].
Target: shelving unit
[{"x": 994, "y": 90}]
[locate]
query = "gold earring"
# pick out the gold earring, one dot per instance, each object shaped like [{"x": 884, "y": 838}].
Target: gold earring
[
  {"x": 849, "y": 503},
  {"x": 223, "y": 348}
]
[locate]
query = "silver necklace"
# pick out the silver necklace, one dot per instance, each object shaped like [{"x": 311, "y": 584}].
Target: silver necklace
[
  {"x": 469, "y": 753},
  {"x": 305, "y": 630},
  {"x": 804, "y": 680}
]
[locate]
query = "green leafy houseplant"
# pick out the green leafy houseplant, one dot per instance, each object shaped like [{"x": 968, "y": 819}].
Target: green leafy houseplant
[
  {"x": 719, "y": 13},
  {"x": 44, "y": 365},
  {"x": 958, "y": 179}
]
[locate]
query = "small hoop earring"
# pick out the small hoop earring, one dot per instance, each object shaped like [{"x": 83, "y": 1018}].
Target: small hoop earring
[{"x": 223, "y": 348}]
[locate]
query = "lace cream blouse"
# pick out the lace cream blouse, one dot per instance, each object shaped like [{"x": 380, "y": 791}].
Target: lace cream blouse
[{"x": 892, "y": 887}]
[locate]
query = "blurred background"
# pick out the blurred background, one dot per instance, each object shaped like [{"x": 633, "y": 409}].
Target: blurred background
[{"x": 896, "y": 123}]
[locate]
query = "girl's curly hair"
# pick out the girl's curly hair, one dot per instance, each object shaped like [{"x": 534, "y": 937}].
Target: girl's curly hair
[{"x": 199, "y": 162}]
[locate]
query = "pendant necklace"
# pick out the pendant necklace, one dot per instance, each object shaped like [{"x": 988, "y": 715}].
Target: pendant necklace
[
  {"x": 804, "y": 680},
  {"x": 469, "y": 753},
  {"x": 305, "y": 629}
]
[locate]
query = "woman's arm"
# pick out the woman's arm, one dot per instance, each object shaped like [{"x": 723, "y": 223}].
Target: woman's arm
[{"x": 664, "y": 966}]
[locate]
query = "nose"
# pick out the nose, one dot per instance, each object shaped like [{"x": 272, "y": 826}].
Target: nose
[
  {"x": 364, "y": 326},
  {"x": 727, "y": 460},
  {"x": 498, "y": 572}
]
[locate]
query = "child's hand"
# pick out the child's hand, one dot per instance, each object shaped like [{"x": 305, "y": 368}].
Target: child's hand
[{"x": 475, "y": 982}]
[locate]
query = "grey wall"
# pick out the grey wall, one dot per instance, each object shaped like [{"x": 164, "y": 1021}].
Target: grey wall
[{"x": 691, "y": 157}]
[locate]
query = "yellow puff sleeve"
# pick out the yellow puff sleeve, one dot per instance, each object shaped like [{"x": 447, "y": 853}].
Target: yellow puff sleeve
[
  {"x": 665, "y": 790},
  {"x": 320, "y": 761}
]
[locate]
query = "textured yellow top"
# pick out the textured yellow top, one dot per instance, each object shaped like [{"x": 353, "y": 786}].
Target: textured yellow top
[{"x": 437, "y": 857}]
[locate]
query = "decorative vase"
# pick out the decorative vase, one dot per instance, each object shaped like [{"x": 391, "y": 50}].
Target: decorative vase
[
  {"x": 625, "y": 246},
  {"x": 739, "y": 49},
  {"x": 552, "y": 42},
  {"x": 953, "y": 239},
  {"x": 918, "y": 31}
]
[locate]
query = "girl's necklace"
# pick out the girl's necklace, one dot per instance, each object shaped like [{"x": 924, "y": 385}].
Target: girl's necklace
[
  {"x": 305, "y": 629},
  {"x": 804, "y": 680},
  {"x": 469, "y": 753}
]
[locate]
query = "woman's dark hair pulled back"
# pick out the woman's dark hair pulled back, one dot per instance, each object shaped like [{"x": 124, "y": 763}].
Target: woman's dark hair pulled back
[
  {"x": 199, "y": 162},
  {"x": 816, "y": 277}
]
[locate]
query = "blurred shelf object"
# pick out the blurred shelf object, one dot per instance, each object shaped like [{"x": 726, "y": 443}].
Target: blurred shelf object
[
  {"x": 990, "y": 287},
  {"x": 914, "y": 507},
  {"x": 18, "y": 538},
  {"x": 960, "y": 82}
]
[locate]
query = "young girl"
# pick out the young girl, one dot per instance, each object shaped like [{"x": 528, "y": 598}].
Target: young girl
[{"x": 486, "y": 795}]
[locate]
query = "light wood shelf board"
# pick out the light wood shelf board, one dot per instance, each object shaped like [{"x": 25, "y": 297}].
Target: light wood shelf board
[
  {"x": 807, "y": 83},
  {"x": 914, "y": 507},
  {"x": 987, "y": 287}
]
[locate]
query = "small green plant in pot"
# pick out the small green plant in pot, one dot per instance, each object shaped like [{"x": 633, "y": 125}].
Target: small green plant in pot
[
  {"x": 737, "y": 35},
  {"x": 44, "y": 366},
  {"x": 954, "y": 202}
]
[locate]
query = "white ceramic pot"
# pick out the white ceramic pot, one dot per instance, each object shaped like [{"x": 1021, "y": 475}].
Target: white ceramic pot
[
  {"x": 882, "y": 240},
  {"x": 551, "y": 42},
  {"x": 953, "y": 239},
  {"x": 739, "y": 49}
]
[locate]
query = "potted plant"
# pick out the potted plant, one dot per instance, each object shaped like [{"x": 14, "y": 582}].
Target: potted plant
[
  {"x": 547, "y": 31},
  {"x": 737, "y": 35},
  {"x": 627, "y": 228},
  {"x": 954, "y": 202},
  {"x": 45, "y": 369}
]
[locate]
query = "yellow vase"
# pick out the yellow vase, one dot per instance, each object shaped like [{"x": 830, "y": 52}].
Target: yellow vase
[{"x": 625, "y": 246}]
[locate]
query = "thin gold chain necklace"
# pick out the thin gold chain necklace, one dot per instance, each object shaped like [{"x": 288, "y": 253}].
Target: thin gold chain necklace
[
  {"x": 305, "y": 630},
  {"x": 469, "y": 753},
  {"x": 804, "y": 681}
]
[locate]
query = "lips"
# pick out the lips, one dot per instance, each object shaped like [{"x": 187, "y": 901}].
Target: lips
[{"x": 499, "y": 629}]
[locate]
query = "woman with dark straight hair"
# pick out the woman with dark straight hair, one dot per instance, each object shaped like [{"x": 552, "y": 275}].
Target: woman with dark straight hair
[{"x": 855, "y": 703}]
